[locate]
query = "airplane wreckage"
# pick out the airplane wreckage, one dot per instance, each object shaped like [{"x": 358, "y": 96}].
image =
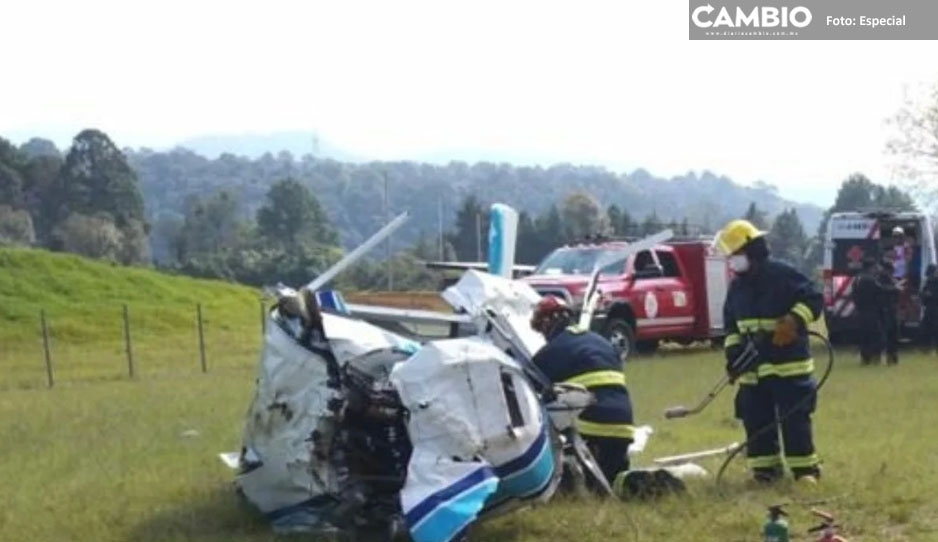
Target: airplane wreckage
[{"x": 356, "y": 429}]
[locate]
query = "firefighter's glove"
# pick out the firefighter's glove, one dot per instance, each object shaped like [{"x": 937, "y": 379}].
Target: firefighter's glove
[
  {"x": 786, "y": 330},
  {"x": 740, "y": 359},
  {"x": 732, "y": 363}
]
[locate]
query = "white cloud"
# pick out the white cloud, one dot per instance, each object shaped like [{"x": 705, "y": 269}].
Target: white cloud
[{"x": 617, "y": 83}]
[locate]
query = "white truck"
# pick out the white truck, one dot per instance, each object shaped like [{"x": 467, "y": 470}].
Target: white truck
[{"x": 853, "y": 237}]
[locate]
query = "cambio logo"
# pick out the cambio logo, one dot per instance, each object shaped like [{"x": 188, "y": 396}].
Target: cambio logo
[{"x": 757, "y": 17}]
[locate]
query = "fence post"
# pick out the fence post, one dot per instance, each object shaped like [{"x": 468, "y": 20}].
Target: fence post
[
  {"x": 45, "y": 346},
  {"x": 263, "y": 318},
  {"x": 128, "y": 346},
  {"x": 198, "y": 309}
]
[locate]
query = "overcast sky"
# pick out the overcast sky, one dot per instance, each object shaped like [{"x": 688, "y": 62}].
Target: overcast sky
[{"x": 614, "y": 83}]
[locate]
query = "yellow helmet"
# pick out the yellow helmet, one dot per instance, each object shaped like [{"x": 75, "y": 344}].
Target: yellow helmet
[{"x": 736, "y": 235}]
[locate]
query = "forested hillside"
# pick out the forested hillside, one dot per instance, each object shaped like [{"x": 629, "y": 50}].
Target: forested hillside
[
  {"x": 278, "y": 218},
  {"x": 352, "y": 194}
]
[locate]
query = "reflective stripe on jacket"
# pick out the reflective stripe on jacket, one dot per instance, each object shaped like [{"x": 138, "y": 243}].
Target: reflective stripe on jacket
[
  {"x": 754, "y": 303},
  {"x": 582, "y": 357}
]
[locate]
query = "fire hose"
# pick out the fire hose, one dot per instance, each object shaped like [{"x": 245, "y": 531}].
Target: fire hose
[{"x": 774, "y": 426}]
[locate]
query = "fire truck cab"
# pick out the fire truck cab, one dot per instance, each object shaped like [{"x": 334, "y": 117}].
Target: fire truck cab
[
  {"x": 674, "y": 292},
  {"x": 853, "y": 237}
]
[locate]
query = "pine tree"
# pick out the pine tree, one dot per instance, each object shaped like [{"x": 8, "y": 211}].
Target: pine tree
[
  {"x": 551, "y": 228},
  {"x": 651, "y": 225},
  {"x": 787, "y": 239},
  {"x": 757, "y": 217},
  {"x": 684, "y": 228},
  {"x": 292, "y": 217},
  {"x": 627, "y": 226},
  {"x": 529, "y": 249},
  {"x": 470, "y": 235}
]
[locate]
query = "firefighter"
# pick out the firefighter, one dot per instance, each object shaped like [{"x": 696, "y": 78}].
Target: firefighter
[
  {"x": 928, "y": 335},
  {"x": 889, "y": 306},
  {"x": 579, "y": 356},
  {"x": 867, "y": 295},
  {"x": 771, "y": 304}
]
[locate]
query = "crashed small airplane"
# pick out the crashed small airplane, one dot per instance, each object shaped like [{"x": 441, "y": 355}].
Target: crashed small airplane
[{"x": 356, "y": 429}]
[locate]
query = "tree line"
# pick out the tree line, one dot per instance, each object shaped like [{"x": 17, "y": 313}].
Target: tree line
[
  {"x": 86, "y": 201},
  {"x": 582, "y": 218},
  {"x": 91, "y": 201},
  {"x": 353, "y": 194}
]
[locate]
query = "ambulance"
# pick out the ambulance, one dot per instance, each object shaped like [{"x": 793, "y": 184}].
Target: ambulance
[{"x": 906, "y": 238}]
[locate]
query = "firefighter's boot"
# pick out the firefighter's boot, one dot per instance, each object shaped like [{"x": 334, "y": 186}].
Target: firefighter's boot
[
  {"x": 807, "y": 476},
  {"x": 767, "y": 475}
]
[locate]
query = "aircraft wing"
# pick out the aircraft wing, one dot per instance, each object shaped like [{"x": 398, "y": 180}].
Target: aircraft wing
[
  {"x": 393, "y": 314},
  {"x": 478, "y": 266},
  {"x": 394, "y": 319}
]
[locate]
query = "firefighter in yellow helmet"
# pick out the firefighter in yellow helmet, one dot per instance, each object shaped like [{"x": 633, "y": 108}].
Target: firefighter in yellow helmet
[{"x": 771, "y": 304}]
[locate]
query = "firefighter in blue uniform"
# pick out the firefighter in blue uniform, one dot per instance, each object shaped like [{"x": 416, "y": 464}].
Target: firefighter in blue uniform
[
  {"x": 579, "y": 356},
  {"x": 772, "y": 304}
]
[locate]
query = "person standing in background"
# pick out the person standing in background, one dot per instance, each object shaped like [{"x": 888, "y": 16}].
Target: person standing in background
[
  {"x": 889, "y": 306},
  {"x": 905, "y": 273},
  {"x": 928, "y": 330},
  {"x": 868, "y": 296},
  {"x": 901, "y": 254}
]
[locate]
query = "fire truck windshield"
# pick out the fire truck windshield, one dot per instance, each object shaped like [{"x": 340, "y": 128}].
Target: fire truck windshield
[{"x": 578, "y": 261}]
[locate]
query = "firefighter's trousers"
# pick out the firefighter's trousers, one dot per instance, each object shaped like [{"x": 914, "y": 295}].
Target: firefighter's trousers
[
  {"x": 611, "y": 453},
  {"x": 760, "y": 406}
]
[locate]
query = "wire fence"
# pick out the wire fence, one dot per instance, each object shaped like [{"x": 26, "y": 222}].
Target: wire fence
[{"x": 140, "y": 343}]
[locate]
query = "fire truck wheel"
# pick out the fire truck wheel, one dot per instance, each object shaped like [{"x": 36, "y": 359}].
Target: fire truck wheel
[{"x": 622, "y": 336}]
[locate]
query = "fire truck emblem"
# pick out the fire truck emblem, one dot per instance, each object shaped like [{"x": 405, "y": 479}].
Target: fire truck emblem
[
  {"x": 680, "y": 299},
  {"x": 651, "y": 305}
]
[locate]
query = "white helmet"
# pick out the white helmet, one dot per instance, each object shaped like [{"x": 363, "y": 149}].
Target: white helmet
[{"x": 898, "y": 231}]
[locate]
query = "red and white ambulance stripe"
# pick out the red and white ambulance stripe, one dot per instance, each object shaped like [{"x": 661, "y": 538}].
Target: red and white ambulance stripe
[
  {"x": 843, "y": 304},
  {"x": 843, "y": 285}
]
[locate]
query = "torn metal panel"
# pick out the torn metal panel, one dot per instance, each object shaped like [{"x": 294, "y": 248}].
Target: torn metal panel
[
  {"x": 483, "y": 296},
  {"x": 291, "y": 406},
  {"x": 350, "y": 338}
]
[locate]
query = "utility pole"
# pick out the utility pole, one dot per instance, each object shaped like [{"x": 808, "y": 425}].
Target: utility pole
[
  {"x": 387, "y": 219},
  {"x": 478, "y": 236},
  {"x": 442, "y": 256}
]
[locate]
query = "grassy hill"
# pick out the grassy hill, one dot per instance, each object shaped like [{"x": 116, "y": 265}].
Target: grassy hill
[{"x": 83, "y": 301}]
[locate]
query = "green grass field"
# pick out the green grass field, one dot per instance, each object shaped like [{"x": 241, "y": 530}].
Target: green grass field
[
  {"x": 83, "y": 301},
  {"x": 110, "y": 459}
]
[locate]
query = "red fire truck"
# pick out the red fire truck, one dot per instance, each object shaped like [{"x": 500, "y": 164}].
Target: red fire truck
[{"x": 673, "y": 292}]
